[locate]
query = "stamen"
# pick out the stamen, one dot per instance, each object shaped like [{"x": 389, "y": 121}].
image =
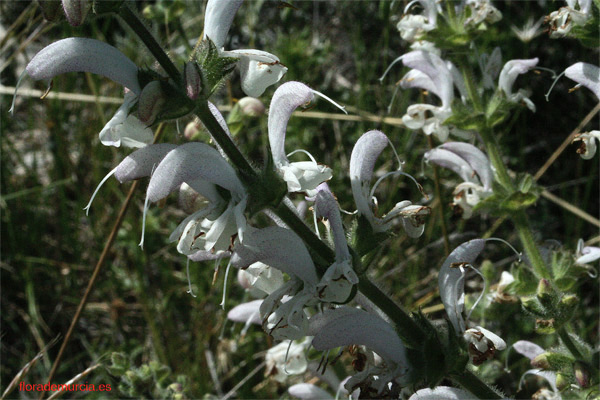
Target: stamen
[
  {"x": 187, "y": 271},
  {"x": 400, "y": 163},
  {"x": 331, "y": 101},
  {"x": 396, "y": 90},
  {"x": 11, "y": 111},
  {"x": 316, "y": 223},
  {"x": 287, "y": 352},
  {"x": 371, "y": 195},
  {"x": 547, "y": 95},
  {"x": 520, "y": 255},
  {"x": 305, "y": 152},
  {"x": 592, "y": 272},
  {"x": 87, "y": 208},
  {"x": 554, "y": 76},
  {"x": 225, "y": 284},
  {"x": 482, "y": 292},
  {"x": 390, "y": 67},
  {"x": 145, "y": 213}
]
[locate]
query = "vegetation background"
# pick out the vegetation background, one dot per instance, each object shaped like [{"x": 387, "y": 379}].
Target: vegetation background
[{"x": 52, "y": 160}]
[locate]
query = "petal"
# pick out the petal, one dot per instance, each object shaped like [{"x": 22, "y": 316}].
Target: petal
[
  {"x": 477, "y": 159},
  {"x": 549, "y": 376},
  {"x": 307, "y": 391},
  {"x": 219, "y": 117},
  {"x": 448, "y": 159},
  {"x": 279, "y": 248},
  {"x": 511, "y": 70},
  {"x": 203, "y": 255},
  {"x": 346, "y": 325},
  {"x": 258, "y": 70},
  {"x": 451, "y": 283},
  {"x": 589, "y": 254},
  {"x": 585, "y": 74},
  {"x": 498, "y": 342},
  {"x": 435, "y": 68},
  {"x": 362, "y": 161},
  {"x": 84, "y": 55},
  {"x": 327, "y": 207},
  {"x": 218, "y": 17},
  {"x": 441, "y": 393},
  {"x": 126, "y": 129},
  {"x": 246, "y": 312},
  {"x": 286, "y": 99},
  {"x": 528, "y": 349},
  {"x": 188, "y": 163},
  {"x": 417, "y": 79},
  {"x": 141, "y": 162}
]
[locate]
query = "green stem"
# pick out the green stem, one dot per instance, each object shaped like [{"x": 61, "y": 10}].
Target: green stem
[
  {"x": 473, "y": 384},
  {"x": 411, "y": 334},
  {"x": 223, "y": 139},
  {"x": 568, "y": 342},
  {"x": 519, "y": 218},
  {"x": 144, "y": 34}
]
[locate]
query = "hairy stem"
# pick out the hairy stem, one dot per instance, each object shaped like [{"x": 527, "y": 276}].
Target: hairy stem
[
  {"x": 131, "y": 19},
  {"x": 473, "y": 384}
]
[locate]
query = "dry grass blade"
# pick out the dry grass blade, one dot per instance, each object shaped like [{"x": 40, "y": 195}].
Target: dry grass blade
[
  {"x": 571, "y": 208},
  {"x": 75, "y": 379},
  {"x": 23, "y": 372}
]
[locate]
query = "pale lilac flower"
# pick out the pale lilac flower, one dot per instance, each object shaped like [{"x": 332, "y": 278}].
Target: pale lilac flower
[
  {"x": 441, "y": 393},
  {"x": 336, "y": 284},
  {"x": 283, "y": 316},
  {"x": 286, "y": 358},
  {"x": 89, "y": 55},
  {"x": 482, "y": 343},
  {"x": 472, "y": 165},
  {"x": 303, "y": 176},
  {"x": 258, "y": 69},
  {"x": 508, "y": 75},
  {"x": 346, "y": 326},
  {"x": 585, "y": 74},
  {"x": 586, "y": 254},
  {"x": 412, "y": 26},
  {"x": 431, "y": 73},
  {"x": 528, "y": 349},
  {"x": 362, "y": 162}
]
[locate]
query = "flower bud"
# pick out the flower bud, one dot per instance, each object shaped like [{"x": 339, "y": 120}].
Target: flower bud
[
  {"x": 150, "y": 102},
  {"x": 251, "y": 106},
  {"x": 569, "y": 300},
  {"x": 582, "y": 375},
  {"x": 541, "y": 361},
  {"x": 192, "y": 131},
  {"x": 544, "y": 292},
  {"x": 532, "y": 305},
  {"x": 75, "y": 10},
  {"x": 193, "y": 80},
  {"x": 562, "y": 381}
]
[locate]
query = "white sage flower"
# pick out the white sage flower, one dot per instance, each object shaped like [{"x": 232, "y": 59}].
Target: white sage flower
[
  {"x": 481, "y": 11},
  {"x": 258, "y": 69},
  {"x": 561, "y": 22},
  {"x": 586, "y": 254},
  {"x": 413, "y": 26},
  {"x": 508, "y": 75},
  {"x": 585, "y": 74},
  {"x": 90, "y": 55},
  {"x": 472, "y": 165},
  {"x": 302, "y": 176},
  {"x": 286, "y": 358}
]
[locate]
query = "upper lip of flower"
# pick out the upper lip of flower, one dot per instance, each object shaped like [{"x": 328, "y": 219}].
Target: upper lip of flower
[{"x": 585, "y": 74}]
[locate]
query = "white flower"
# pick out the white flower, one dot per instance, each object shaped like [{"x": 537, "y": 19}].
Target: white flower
[
  {"x": 308, "y": 391},
  {"x": 472, "y": 165},
  {"x": 248, "y": 313},
  {"x": 303, "y": 176},
  {"x": 441, "y": 393},
  {"x": 336, "y": 284},
  {"x": 362, "y": 162},
  {"x": 588, "y": 146},
  {"x": 258, "y": 69},
  {"x": 577, "y": 13},
  {"x": 528, "y": 349},
  {"x": 482, "y": 11},
  {"x": 586, "y": 254},
  {"x": 89, "y": 55},
  {"x": 286, "y": 358},
  {"x": 585, "y": 74},
  {"x": 508, "y": 75},
  {"x": 529, "y": 31},
  {"x": 260, "y": 278},
  {"x": 482, "y": 344},
  {"x": 550, "y": 377},
  {"x": 412, "y": 26},
  {"x": 346, "y": 326}
]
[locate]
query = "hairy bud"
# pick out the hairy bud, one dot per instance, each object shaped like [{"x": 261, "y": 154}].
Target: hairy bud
[{"x": 150, "y": 103}]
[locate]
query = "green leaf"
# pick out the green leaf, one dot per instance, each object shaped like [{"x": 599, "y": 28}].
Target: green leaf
[{"x": 213, "y": 67}]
